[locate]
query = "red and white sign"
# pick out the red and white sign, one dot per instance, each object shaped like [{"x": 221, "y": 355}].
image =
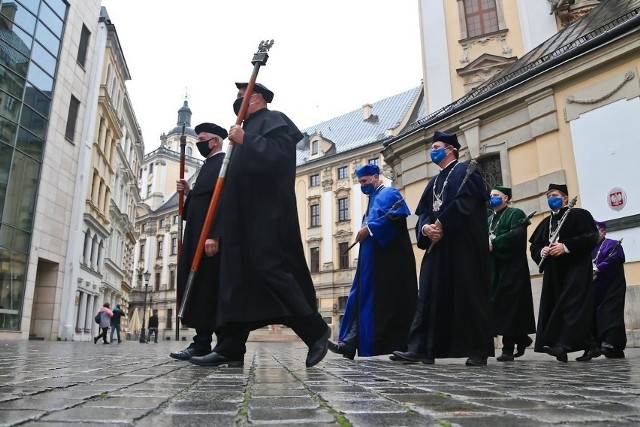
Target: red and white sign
[{"x": 617, "y": 198}]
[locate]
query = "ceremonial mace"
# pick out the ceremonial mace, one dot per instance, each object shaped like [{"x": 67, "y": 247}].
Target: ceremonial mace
[
  {"x": 259, "y": 58},
  {"x": 183, "y": 143}
]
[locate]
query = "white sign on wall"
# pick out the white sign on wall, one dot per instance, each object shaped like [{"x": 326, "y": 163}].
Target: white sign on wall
[{"x": 606, "y": 144}]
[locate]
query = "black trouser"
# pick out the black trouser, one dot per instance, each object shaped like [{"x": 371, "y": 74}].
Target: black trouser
[
  {"x": 309, "y": 328},
  {"x": 510, "y": 342},
  {"x": 103, "y": 334}
]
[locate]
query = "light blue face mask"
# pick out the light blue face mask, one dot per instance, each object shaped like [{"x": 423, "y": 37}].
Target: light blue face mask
[
  {"x": 367, "y": 188},
  {"x": 555, "y": 203},
  {"x": 438, "y": 154},
  {"x": 495, "y": 201}
]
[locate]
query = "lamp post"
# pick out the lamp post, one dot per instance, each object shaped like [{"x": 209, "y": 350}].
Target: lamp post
[{"x": 143, "y": 338}]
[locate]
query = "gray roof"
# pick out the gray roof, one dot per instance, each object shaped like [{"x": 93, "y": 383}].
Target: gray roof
[
  {"x": 605, "y": 22},
  {"x": 351, "y": 131}
]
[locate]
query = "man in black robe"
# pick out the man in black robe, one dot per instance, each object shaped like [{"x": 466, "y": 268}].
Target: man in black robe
[
  {"x": 264, "y": 275},
  {"x": 610, "y": 286},
  {"x": 452, "y": 318},
  {"x": 384, "y": 292},
  {"x": 200, "y": 309},
  {"x": 511, "y": 298},
  {"x": 565, "y": 317}
]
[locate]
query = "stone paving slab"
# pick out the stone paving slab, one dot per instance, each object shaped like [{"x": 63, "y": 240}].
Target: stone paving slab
[{"x": 131, "y": 384}]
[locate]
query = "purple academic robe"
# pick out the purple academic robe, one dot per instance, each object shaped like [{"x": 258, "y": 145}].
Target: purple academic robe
[{"x": 610, "y": 287}]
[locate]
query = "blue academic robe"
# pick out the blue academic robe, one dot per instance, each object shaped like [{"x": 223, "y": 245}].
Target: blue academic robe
[{"x": 384, "y": 291}]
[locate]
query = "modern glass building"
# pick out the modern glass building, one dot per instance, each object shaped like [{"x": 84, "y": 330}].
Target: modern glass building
[{"x": 30, "y": 42}]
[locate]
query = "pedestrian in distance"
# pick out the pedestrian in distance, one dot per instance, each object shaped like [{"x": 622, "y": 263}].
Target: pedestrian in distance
[
  {"x": 561, "y": 246},
  {"x": 115, "y": 323},
  {"x": 452, "y": 318},
  {"x": 264, "y": 278},
  {"x": 610, "y": 287},
  {"x": 200, "y": 310},
  {"x": 511, "y": 299},
  {"x": 384, "y": 292},
  {"x": 153, "y": 327},
  {"x": 105, "y": 314}
]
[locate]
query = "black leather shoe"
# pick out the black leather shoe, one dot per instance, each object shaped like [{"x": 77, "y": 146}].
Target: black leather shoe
[
  {"x": 505, "y": 357},
  {"x": 343, "y": 348},
  {"x": 410, "y": 356},
  {"x": 521, "y": 347},
  {"x": 476, "y": 361},
  {"x": 589, "y": 354},
  {"x": 318, "y": 349},
  {"x": 612, "y": 353},
  {"x": 215, "y": 359},
  {"x": 188, "y": 353},
  {"x": 556, "y": 351}
]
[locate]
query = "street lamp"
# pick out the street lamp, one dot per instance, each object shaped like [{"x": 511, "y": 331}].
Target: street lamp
[{"x": 143, "y": 338}]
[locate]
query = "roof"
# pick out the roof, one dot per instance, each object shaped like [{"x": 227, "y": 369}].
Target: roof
[
  {"x": 607, "y": 21},
  {"x": 350, "y": 130}
]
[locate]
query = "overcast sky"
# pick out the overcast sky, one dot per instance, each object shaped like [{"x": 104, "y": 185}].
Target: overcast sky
[{"x": 329, "y": 57}]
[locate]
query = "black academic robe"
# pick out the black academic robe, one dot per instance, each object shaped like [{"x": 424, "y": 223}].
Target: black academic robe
[
  {"x": 200, "y": 309},
  {"x": 453, "y": 314},
  {"x": 264, "y": 274},
  {"x": 566, "y": 314},
  {"x": 610, "y": 288},
  {"x": 511, "y": 297}
]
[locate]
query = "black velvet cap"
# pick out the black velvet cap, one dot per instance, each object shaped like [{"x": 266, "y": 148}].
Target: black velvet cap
[
  {"x": 259, "y": 88},
  {"x": 447, "y": 138},
  {"x": 560, "y": 187},
  {"x": 211, "y": 128}
]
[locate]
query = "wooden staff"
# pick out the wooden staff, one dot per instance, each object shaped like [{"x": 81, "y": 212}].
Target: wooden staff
[
  {"x": 259, "y": 59},
  {"x": 183, "y": 143}
]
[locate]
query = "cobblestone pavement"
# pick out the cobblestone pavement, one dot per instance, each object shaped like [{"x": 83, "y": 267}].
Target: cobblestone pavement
[{"x": 79, "y": 383}]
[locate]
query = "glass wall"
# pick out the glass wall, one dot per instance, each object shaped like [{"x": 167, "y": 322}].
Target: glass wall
[{"x": 30, "y": 39}]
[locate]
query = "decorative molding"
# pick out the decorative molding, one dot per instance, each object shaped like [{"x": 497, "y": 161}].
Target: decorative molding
[
  {"x": 498, "y": 36},
  {"x": 629, "y": 75}
]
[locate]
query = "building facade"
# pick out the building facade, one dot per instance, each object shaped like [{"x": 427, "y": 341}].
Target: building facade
[
  {"x": 69, "y": 145},
  {"x": 565, "y": 111}
]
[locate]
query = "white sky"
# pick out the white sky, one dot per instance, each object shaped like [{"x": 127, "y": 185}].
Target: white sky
[{"x": 329, "y": 57}]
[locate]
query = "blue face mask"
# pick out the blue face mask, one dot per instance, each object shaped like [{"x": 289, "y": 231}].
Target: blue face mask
[
  {"x": 438, "y": 154},
  {"x": 495, "y": 201},
  {"x": 555, "y": 203},
  {"x": 367, "y": 188}
]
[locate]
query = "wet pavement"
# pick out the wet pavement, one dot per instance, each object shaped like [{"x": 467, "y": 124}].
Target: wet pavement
[{"x": 78, "y": 383}]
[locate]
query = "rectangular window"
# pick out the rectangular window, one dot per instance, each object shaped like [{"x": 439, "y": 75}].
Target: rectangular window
[
  {"x": 156, "y": 285},
  {"x": 375, "y": 161},
  {"x": 176, "y": 219},
  {"x": 174, "y": 245},
  {"x": 161, "y": 222},
  {"x": 481, "y": 17},
  {"x": 159, "y": 249},
  {"x": 314, "y": 147},
  {"x": 84, "y": 45},
  {"x": 342, "y": 303},
  {"x": 314, "y": 260},
  {"x": 342, "y": 172},
  {"x": 314, "y": 180},
  {"x": 141, "y": 251},
  {"x": 343, "y": 209},
  {"x": 72, "y": 117},
  {"x": 169, "y": 318},
  {"x": 143, "y": 228},
  {"x": 344, "y": 255},
  {"x": 172, "y": 280},
  {"x": 314, "y": 219},
  {"x": 149, "y": 190}
]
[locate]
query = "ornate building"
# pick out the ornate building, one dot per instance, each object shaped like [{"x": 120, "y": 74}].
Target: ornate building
[
  {"x": 560, "y": 111},
  {"x": 157, "y": 223}
]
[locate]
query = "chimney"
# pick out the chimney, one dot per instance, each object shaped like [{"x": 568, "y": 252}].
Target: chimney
[{"x": 367, "y": 110}]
